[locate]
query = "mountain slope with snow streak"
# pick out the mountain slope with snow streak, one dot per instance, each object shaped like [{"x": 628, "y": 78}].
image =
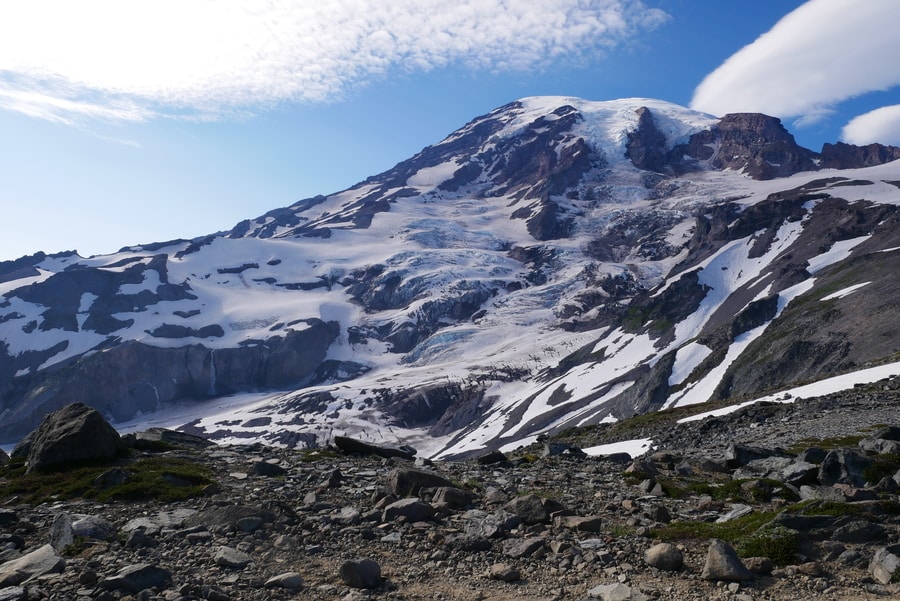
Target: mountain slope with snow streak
[{"x": 557, "y": 262}]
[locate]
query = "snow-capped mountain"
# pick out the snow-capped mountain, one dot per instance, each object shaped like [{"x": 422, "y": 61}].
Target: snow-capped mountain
[{"x": 557, "y": 262}]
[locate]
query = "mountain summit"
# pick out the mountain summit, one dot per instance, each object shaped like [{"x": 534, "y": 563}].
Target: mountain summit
[{"x": 556, "y": 262}]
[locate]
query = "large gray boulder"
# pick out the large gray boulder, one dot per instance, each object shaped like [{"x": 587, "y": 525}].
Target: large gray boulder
[
  {"x": 722, "y": 563},
  {"x": 74, "y": 433},
  {"x": 43, "y": 560}
]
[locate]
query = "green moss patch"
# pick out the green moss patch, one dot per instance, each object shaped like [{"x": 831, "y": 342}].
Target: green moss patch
[{"x": 164, "y": 479}]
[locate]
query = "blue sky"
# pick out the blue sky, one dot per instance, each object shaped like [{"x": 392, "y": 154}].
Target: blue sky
[{"x": 133, "y": 122}]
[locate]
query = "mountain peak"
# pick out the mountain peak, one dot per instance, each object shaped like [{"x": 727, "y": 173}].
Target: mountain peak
[{"x": 554, "y": 262}]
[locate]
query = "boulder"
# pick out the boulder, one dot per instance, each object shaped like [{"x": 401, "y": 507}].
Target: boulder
[
  {"x": 842, "y": 466},
  {"x": 504, "y": 573},
  {"x": 664, "y": 556},
  {"x": 288, "y": 580},
  {"x": 616, "y": 592},
  {"x": 454, "y": 498},
  {"x": 228, "y": 557},
  {"x": 723, "y": 563},
  {"x": 230, "y": 517},
  {"x": 154, "y": 438},
  {"x": 885, "y": 565},
  {"x": 352, "y": 446},
  {"x": 361, "y": 573},
  {"x": 493, "y": 458},
  {"x": 530, "y": 508},
  {"x": 74, "y": 433},
  {"x": 412, "y": 509},
  {"x": 407, "y": 482},
  {"x": 43, "y": 560},
  {"x": 522, "y": 547},
  {"x": 739, "y": 455},
  {"x": 136, "y": 578}
]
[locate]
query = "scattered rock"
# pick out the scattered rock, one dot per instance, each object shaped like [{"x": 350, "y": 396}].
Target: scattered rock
[
  {"x": 228, "y": 557},
  {"x": 722, "y": 563},
  {"x": 504, "y": 573},
  {"x": 136, "y": 578},
  {"x": 407, "y": 482},
  {"x": 616, "y": 592},
  {"x": 664, "y": 556},
  {"x": 351, "y": 445},
  {"x": 30, "y": 566},
  {"x": 885, "y": 565},
  {"x": 288, "y": 580},
  {"x": 362, "y": 573}
]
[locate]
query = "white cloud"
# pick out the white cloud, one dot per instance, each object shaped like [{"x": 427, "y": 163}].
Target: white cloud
[
  {"x": 822, "y": 53},
  {"x": 881, "y": 125},
  {"x": 136, "y": 60}
]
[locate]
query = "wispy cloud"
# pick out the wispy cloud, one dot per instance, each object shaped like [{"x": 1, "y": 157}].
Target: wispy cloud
[
  {"x": 822, "y": 53},
  {"x": 137, "y": 60}
]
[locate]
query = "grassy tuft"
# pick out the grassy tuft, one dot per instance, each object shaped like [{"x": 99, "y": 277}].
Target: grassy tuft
[{"x": 163, "y": 479}]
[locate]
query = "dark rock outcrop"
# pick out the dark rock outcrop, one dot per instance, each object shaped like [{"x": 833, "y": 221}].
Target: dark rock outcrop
[{"x": 72, "y": 434}]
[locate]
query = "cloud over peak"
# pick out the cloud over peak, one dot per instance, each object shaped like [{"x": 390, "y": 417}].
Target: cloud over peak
[
  {"x": 822, "y": 53},
  {"x": 115, "y": 60}
]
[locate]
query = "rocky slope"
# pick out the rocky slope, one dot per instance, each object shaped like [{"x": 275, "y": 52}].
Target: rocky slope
[
  {"x": 807, "y": 494},
  {"x": 556, "y": 262}
]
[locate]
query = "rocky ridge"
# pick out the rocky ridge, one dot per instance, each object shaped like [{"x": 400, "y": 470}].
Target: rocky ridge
[{"x": 772, "y": 502}]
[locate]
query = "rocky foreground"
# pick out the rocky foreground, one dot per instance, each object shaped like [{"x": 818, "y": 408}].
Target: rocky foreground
[{"x": 774, "y": 502}]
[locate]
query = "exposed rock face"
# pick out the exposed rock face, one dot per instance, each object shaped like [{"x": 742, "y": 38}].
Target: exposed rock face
[
  {"x": 542, "y": 241},
  {"x": 130, "y": 373},
  {"x": 848, "y": 156},
  {"x": 74, "y": 433}
]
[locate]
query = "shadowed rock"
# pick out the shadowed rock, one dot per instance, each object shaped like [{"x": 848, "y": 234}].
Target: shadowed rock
[{"x": 74, "y": 433}]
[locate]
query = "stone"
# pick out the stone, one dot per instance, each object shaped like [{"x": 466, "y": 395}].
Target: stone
[
  {"x": 152, "y": 438},
  {"x": 723, "y": 563},
  {"x": 61, "y": 535},
  {"x": 842, "y": 466},
  {"x": 138, "y": 539},
  {"x": 616, "y": 592},
  {"x": 738, "y": 510},
  {"x": 493, "y": 458},
  {"x": 43, "y": 560},
  {"x": 92, "y": 526},
  {"x": 411, "y": 508},
  {"x": 885, "y": 565},
  {"x": 761, "y": 566},
  {"x": 112, "y": 477},
  {"x": 664, "y": 556},
  {"x": 8, "y": 518},
  {"x": 579, "y": 523},
  {"x": 453, "y": 498},
  {"x": 136, "y": 578},
  {"x": 361, "y": 573},
  {"x": 288, "y": 580},
  {"x": 522, "y": 547},
  {"x": 154, "y": 524},
  {"x": 467, "y": 543},
  {"x": 13, "y": 593},
  {"x": 530, "y": 508},
  {"x": 799, "y": 473},
  {"x": 407, "y": 482},
  {"x": 223, "y": 519},
  {"x": 352, "y": 446},
  {"x": 266, "y": 469},
  {"x": 229, "y": 557},
  {"x": 859, "y": 531},
  {"x": 74, "y": 433},
  {"x": 504, "y": 573},
  {"x": 740, "y": 455}
]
